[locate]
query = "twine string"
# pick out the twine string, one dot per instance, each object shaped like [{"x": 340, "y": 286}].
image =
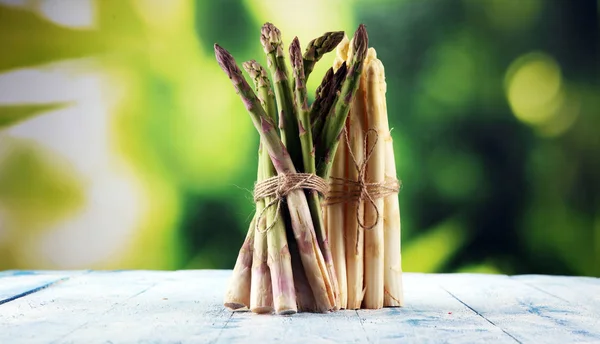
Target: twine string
[
  {"x": 278, "y": 187},
  {"x": 360, "y": 190}
]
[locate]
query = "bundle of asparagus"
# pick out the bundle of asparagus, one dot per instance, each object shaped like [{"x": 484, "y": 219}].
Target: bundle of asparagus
[
  {"x": 365, "y": 231},
  {"x": 285, "y": 264}
]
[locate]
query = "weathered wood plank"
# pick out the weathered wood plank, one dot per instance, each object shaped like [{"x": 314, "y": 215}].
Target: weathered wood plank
[
  {"x": 528, "y": 314},
  {"x": 54, "y": 312},
  {"x": 581, "y": 291},
  {"x": 431, "y": 315},
  {"x": 337, "y": 327},
  {"x": 185, "y": 306},
  {"x": 16, "y": 284}
]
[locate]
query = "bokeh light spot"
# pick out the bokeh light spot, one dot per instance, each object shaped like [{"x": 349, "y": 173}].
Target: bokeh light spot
[
  {"x": 534, "y": 88},
  {"x": 510, "y": 16},
  {"x": 74, "y": 14}
]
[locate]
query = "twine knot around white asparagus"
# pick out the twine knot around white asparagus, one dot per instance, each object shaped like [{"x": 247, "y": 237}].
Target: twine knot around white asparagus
[
  {"x": 343, "y": 190},
  {"x": 279, "y": 186}
]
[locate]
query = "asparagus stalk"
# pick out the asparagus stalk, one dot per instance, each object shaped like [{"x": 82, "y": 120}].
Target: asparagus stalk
[
  {"x": 303, "y": 117},
  {"x": 237, "y": 296},
  {"x": 273, "y": 46},
  {"x": 308, "y": 154},
  {"x": 341, "y": 53},
  {"x": 304, "y": 295},
  {"x": 392, "y": 284},
  {"x": 278, "y": 260},
  {"x": 374, "y": 237},
  {"x": 320, "y": 96},
  {"x": 357, "y": 127},
  {"x": 319, "y": 47},
  {"x": 334, "y": 215},
  {"x": 262, "y": 86},
  {"x": 337, "y": 118},
  {"x": 329, "y": 95},
  {"x": 261, "y": 294},
  {"x": 300, "y": 217}
]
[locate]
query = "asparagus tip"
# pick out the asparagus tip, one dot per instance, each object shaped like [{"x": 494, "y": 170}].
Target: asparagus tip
[
  {"x": 270, "y": 37},
  {"x": 257, "y": 73},
  {"x": 296, "y": 54},
  {"x": 322, "y": 45},
  {"x": 227, "y": 62},
  {"x": 325, "y": 83},
  {"x": 360, "y": 42}
]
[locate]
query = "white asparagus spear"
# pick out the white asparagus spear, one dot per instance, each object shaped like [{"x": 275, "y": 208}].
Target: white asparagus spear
[
  {"x": 355, "y": 210},
  {"x": 374, "y": 212},
  {"x": 341, "y": 53},
  {"x": 393, "y": 289},
  {"x": 340, "y": 171},
  {"x": 335, "y": 226}
]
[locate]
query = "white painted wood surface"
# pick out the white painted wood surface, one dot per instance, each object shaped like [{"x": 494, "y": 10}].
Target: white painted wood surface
[{"x": 186, "y": 307}]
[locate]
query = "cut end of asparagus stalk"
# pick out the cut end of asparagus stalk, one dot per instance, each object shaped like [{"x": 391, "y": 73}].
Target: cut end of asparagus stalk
[{"x": 237, "y": 296}]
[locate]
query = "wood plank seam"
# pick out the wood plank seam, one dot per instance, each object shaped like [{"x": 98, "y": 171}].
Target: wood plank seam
[
  {"x": 582, "y": 306},
  {"x": 216, "y": 340},
  {"x": 481, "y": 315},
  {"x": 34, "y": 290},
  {"x": 542, "y": 290},
  {"x": 362, "y": 326}
]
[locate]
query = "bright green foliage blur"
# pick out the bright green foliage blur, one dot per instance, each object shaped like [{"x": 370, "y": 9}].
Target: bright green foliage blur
[{"x": 495, "y": 107}]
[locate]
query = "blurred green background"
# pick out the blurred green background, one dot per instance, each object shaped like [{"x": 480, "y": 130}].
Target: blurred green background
[{"x": 123, "y": 145}]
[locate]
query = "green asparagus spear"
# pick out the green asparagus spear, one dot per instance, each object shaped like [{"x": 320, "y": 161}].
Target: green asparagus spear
[
  {"x": 279, "y": 259},
  {"x": 308, "y": 154},
  {"x": 273, "y": 46},
  {"x": 300, "y": 217},
  {"x": 319, "y": 47},
  {"x": 335, "y": 121}
]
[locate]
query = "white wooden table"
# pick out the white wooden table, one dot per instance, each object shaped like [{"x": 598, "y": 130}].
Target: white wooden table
[{"x": 186, "y": 307}]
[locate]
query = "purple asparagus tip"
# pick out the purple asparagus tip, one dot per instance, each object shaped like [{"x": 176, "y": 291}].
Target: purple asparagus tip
[
  {"x": 296, "y": 53},
  {"x": 361, "y": 42},
  {"x": 270, "y": 37},
  {"x": 227, "y": 64}
]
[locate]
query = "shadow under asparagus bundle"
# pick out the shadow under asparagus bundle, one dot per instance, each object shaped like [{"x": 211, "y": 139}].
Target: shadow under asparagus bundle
[{"x": 285, "y": 264}]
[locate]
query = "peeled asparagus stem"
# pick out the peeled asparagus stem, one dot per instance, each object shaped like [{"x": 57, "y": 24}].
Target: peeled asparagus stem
[
  {"x": 335, "y": 226},
  {"x": 374, "y": 237},
  {"x": 392, "y": 264},
  {"x": 354, "y": 234}
]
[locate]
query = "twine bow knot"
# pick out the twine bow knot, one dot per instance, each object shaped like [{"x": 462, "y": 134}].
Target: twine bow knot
[
  {"x": 360, "y": 190},
  {"x": 278, "y": 187}
]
